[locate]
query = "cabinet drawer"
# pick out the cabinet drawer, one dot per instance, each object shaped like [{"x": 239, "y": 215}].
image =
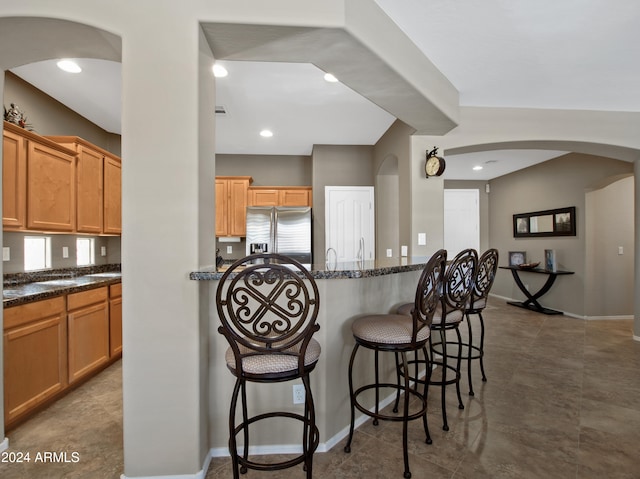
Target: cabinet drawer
[
  {"x": 27, "y": 313},
  {"x": 79, "y": 300},
  {"x": 115, "y": 290}
]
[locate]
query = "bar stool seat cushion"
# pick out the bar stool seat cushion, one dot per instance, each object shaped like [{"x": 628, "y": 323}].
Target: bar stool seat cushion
[
  {"x": 453, "y": 317},
  {"x": 273, "y": 363},
  {"x": 387, "y": 329},
  {"x": 479, "y": 303}
]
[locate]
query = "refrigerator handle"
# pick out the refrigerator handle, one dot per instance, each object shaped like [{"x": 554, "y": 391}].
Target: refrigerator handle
[{"x": 274, "y": 230}]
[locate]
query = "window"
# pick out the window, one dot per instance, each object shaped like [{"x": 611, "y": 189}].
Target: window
[
  {"x": 85, "y": 251},
  {"x": 37, "y": 252}
]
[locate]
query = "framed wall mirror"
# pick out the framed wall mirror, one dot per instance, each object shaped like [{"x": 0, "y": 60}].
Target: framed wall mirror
[{"x": 558, "y": 222}]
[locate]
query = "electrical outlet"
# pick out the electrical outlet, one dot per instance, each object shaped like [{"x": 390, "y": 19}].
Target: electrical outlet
[
  {"x": 6, "y": 253},
  {"x": 103, "y": 250},
  {"x": 65, "y": 251},
  {"x": 403, "y": 250},
  {"x": 229, "y": 249},
  {"x": 298, "y": 394},
  {"x": 422, "y": 239},
  {"x": 389, "y": 252}
]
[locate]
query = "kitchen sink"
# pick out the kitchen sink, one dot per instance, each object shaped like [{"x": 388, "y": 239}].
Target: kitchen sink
[
  {"x": 11, "y": 293},
  {"x": 106, "y": 275},
  {"x": 59, "y": 282}
]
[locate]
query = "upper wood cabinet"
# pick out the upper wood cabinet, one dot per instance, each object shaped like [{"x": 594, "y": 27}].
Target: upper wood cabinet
[
  {"x": 38, "y": 182},
  {"x": 231, "y": 205},
  {"x": 14, "y": 179},
  {"x": 280, "y": 196},
  {"x": 112, "y": 195},
  {"x": 98, "y": 187}
]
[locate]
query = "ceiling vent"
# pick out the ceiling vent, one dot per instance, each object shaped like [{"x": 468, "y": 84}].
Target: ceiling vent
[{"x": 221, "y": 110}]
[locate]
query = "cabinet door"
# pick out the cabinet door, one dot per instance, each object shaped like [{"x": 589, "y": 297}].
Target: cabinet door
[
  {"x": 88, "y": 332},
  {"x": 238, "y": 207},
  {"x": 89, "y": 209},
  {"x": 222, "y": 217},
  {"x": 51, "y": 189},
  {"x": 35, "y": 356},
  {"x": 260, "y": 197},
  {"x": 295, "y": 197},
  {"x": 115, "y": 320},
  {"x": 14, "y": 181},
  {"x": 112, "y": 196}
]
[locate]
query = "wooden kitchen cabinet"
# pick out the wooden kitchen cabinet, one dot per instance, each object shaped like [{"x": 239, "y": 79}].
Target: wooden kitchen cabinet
[
  {"x": 112, "y": 195},
  {"x": 280, "y": 196},
  {"x": 88, "y": 332},
  {"x": 115, "y": 320},
  {"x": 35, "y": 355},
  {"x": 14, "y": 178},
  {"x": 98, "y": 187},
  {"x": 231, "y": 205},
  {"x": 51, "y": 192}
]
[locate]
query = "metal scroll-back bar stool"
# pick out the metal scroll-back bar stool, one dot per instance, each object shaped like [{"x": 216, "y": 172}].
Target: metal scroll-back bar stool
[
  {"x": 487, "y": 267},
  {"x": 456, "y": 289},
  {"x": 399, "y": 334},
  {"x": 268, "y": 305}
]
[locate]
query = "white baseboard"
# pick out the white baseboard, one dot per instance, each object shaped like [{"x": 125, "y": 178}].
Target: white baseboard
[
  {"x": 4, "y": 445},
  {"x": 198, "y": 475}
]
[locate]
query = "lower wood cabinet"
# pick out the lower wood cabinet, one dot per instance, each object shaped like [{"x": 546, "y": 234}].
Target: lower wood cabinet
[
  {"x": 115, "y": 320},
  {"x": 35, "y": 355},
  {"x": 52, "y": 344},
  {"x": 88, "y": 329}
]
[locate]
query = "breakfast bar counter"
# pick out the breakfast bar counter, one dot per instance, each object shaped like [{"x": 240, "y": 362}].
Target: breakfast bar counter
[{"x": 347, "y": 291}]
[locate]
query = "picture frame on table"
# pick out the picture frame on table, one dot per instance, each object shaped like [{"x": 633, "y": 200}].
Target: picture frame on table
[
  {"x": 550, "y": 262},
  {"x": 516, "y": 258}
]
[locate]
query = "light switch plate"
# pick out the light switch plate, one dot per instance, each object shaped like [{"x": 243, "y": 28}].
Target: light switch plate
[
  {"x": 403, "y": 250},
  {"x": 6, "y": 253},
  {"x": 422, "y": 239},
  {"x": 103, "y": 250},
  {"x": 65, "y": 251},
  {"x": 229, "y": 249},
  {"x": 389, "y": 252}
]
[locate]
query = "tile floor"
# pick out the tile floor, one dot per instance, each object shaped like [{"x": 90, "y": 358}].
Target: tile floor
[{"x": 562, "y": 401}]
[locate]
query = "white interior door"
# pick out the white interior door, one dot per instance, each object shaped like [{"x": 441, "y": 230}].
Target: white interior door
[
  {"x": 461, "y": 221},
  {"x": 350, "y": 222}
]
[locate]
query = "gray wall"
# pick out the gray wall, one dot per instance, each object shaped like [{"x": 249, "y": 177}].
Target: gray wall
[
  {"x": 267, "y": 170},
  {"x": 391, "y": 164},
  {"x": 50, "y": 117},
  {"x": 556, "y": 183},
  {"x": 15, "y": 242},
  {"x": 336, "y": 165}
]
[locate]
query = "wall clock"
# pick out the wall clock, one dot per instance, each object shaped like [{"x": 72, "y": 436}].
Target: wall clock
[{"x": 434, "y": 165}]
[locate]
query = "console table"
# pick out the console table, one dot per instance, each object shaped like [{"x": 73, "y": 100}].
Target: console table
[{"x": 532, "y": 299}]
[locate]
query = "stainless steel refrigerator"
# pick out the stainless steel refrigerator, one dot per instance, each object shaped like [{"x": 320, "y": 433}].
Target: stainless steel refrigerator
[{"x": 279, "y": 229}]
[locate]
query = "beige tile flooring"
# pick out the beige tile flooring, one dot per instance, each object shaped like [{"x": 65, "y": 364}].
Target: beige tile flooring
[{"x": 562, "y": 401}]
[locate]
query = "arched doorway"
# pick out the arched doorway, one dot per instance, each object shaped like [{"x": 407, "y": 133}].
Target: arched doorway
[{"x": 31, "y": 41}]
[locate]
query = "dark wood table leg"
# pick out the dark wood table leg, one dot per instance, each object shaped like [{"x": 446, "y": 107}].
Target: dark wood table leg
[{"x": 532, "y": 299}]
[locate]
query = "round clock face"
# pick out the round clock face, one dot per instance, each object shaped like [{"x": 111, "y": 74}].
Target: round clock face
[{"x": 434, "y": 166}]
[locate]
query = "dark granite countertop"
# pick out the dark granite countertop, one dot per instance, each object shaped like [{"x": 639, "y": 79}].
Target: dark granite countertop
[
  {"x": 355, "y": 269},
  {"x": 22, "y": 288}
]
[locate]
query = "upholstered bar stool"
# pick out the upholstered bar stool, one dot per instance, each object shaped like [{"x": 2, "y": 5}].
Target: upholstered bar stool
[
  {"x": 268, "y": 305},
  {"x": 398, "y": 334},
  {"x": 456, "y": 289},
  {"x": 485, "y": 276}
]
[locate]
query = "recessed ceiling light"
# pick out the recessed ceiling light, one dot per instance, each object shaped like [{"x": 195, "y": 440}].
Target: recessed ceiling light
[
  {"x": 219, "y": 71},
  {"x": 69, "y": 66},
  {"x": 266, "y": 133},
  {"x": 477, "y": 168},
  {"x": 330, "y": 77}
]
